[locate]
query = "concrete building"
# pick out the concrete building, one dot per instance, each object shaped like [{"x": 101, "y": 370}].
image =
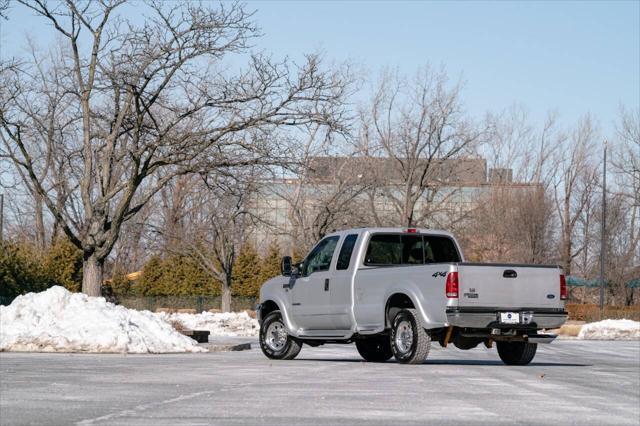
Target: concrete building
[{"x": 454, "y": 187}]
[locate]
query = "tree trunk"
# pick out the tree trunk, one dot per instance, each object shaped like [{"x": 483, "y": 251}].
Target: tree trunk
[
  {"x": 566, "y": 252},
  {"x": 226, "y": 297},
  {"x": 92, "y": 269},
  {"x": 39, "y": 222}
]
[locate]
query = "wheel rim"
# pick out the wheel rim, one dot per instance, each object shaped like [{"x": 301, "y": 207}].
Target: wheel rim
[
  {"x": 276, "y": 336},
  {"x": 404, "y": 337}
]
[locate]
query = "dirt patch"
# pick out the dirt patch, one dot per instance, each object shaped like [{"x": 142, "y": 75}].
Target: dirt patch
[{"x": 569, "y": 329}]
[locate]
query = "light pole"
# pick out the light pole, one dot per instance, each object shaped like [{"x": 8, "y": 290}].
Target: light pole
[{"x": 603, "y": 228}]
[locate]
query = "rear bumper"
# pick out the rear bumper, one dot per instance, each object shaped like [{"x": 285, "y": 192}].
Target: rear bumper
[{"x": 489, "y": 317}]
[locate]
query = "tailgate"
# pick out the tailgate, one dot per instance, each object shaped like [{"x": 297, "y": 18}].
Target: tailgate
[{"x": 509, "y": 286}]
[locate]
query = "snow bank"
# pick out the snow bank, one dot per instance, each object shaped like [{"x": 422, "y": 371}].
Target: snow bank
[
  {"x": 59, "y": 321},
  {"x": 611, "y": 330},
  {"x": 238, "y": 324}
]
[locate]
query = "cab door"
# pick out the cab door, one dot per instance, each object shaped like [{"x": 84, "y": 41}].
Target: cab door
[
  {"x": 340, "y": 287},
  {"x": 310, "y": 295}
]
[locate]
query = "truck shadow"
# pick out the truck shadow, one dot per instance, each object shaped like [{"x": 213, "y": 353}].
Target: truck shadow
[
  {"x": 451, "y": 362},
  {"x": 492, "y": 362}
]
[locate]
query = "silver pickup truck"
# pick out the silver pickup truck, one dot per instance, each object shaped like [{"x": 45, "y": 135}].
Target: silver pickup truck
[{"x": 394, "y": 291}]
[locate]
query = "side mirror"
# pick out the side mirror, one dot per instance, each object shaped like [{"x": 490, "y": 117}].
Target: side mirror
[{"x": 285, "y": 266}]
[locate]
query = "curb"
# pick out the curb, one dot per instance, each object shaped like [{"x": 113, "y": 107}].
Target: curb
[{"x": 226, "y": 348}]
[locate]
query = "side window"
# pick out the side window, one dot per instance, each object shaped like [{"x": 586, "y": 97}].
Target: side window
[
  {"x": 440, "y": 249},
  {"x": 320, "y": 257},
  {"x": 384, "y": 249},
  {"x": 346, "y": 251}
]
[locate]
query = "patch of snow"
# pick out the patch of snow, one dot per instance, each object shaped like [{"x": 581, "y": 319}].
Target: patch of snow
[
  {"x": 57, "y": 320},
  {"x": 611, "y": 330},
  {"x": 236, "y": 324}
]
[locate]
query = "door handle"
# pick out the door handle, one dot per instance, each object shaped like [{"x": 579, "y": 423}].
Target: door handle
[
  {"x": 326, "y": 284},
  {"x": 510, "y": 273}
]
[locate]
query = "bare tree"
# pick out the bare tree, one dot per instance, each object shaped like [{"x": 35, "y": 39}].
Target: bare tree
[
  {"x": 4, "y": 9},
  {"x": 514, "y": 218},
  {"x": 216, "y": 226},
  {"x": 575, "y": 183},
  {"x": 42, "y": 101},
  {"x": 151, "y": 102},
  {"x": 515, "y": 143},
  {"x": 623, "y": 229},
  {"x": 322, "y": 187},
  {"x": 419, "y": 125},
  {"x": 511, "y": 223}
]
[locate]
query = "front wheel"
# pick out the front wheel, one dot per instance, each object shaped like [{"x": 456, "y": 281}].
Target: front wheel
[
  {"x": 374, "y": 349},
  {"x": 410, "y": 342},
  {"x": 516, "y": 353},
  {"x": 274, "y": 340}
]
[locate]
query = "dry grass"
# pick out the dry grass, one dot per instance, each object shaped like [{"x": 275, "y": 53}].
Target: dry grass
[
  {"x": 177, "y": 325},
  {"x": 570, "y": 328},
  {"x": 591, "y": 312}
]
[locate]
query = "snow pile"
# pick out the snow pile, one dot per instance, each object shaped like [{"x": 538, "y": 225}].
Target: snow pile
[
  {"x": 611, "y": 330},
  {"x": 238, "y": 324},
  {"x": 59, "y": 321}
]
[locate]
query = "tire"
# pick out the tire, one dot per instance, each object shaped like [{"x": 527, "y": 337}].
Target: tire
[
  {"x": 274, "y": 340},
  {"x": 410, "y": 342},
  {"x": 375, "y": 349},
  {"x": 516, "y": 353}
]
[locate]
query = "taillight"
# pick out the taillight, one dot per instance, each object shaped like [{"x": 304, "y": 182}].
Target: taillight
[
  {"x": 412, "y": 230},
  {"x": 452, "y": 285},
  {"x": 563, "y": 287}
]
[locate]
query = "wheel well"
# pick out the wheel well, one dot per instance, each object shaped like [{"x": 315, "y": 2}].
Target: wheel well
[
  {"x": 396, "y": 303},
  {"x": 268, "y": 307}
]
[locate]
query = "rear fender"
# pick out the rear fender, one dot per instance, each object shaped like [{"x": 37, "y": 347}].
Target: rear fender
[{"x": 414, "y": 293}]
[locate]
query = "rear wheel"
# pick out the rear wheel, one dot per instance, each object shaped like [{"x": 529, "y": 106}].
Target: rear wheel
[
  {"x": 374, "y": 349},
  {"x": 516, "y": 353},
  {"x": 274, "y": 340},
  {"x": 410, "y": 342}
]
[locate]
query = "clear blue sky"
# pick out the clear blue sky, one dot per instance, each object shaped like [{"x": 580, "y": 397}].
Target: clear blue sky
[{"x": 573, "y": 57}]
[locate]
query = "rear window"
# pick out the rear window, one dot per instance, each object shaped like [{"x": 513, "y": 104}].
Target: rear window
[
  {"x": 402, "y": 249},
  {"x": 440, "y": 249}
]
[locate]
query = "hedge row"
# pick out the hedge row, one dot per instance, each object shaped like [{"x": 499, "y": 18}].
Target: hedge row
[
  {"x": 179, "y": 275},
  {"x": 24, "y": 269}
]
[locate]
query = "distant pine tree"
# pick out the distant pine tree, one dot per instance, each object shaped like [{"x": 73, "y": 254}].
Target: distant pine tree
[
  {"x": 63, "y": 264},
  {"x": 175, "y": 276},
  {"x": 270, "y": 265},
  {"x": 21, "y": 271},
  {"x": 246, "y": 272},
  {"x": 120, "y": 285},
  {"x": 152, "y": 274}
]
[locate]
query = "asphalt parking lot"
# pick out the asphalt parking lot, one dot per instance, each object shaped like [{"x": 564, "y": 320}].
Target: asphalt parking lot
[{"x": 569, "y": 382}]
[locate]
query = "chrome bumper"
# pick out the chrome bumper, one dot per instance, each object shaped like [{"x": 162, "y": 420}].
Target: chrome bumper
[{"x": 489, "y": 318}]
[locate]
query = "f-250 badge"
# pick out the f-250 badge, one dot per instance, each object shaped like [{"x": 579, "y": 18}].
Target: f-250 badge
[
  {"x": 471, "y": 294},
  {"x": 439, "y": 274}
]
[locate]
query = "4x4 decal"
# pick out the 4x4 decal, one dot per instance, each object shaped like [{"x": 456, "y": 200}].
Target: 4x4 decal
[{"x": 439, "y": 274}]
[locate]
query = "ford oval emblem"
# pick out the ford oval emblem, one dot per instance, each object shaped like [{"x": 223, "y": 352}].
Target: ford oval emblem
[{"x": 551, "y": 296}]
